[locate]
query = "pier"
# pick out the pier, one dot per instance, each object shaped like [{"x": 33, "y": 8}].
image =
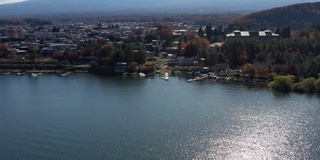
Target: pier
[{"x": 198, "y": 78}]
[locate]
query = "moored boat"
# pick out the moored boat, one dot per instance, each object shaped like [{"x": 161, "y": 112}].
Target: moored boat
[
  {"x": 166, "y": 76},
  {"x": 33, "y": 75},
  {"x": 141, "y": 74}
]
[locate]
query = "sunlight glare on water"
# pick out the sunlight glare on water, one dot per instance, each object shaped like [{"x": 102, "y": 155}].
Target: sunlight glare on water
[{"x": 274, "y": 132}]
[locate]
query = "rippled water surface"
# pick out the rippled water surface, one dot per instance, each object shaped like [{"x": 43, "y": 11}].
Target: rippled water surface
[{"x": 85, "y": 116}]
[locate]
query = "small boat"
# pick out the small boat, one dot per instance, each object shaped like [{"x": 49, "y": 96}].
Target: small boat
[
  {"x": 19, "y": 74},
  {"x": 33, "y": 75},
  {"x": 166, "y": 76},
  {"x": 141, "y": 74}
]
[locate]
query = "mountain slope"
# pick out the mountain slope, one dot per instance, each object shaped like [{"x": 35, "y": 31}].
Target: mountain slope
[{"x": 295, "y": 16}]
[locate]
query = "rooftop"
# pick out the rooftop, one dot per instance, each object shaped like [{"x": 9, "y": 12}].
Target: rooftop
[{"x": 266, "y": 33}]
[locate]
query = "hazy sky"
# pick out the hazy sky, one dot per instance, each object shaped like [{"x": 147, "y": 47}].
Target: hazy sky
[
  {"x": 59, "y": 6},
  {"x": 171, "y": 2}
]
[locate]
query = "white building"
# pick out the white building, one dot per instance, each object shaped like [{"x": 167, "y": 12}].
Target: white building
[{"x": 261, "y": 35}]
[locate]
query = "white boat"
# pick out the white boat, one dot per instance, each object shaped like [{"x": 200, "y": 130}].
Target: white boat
[
  {"x": 20, "y": 74},
  {"x": 166, "y": 76},
  {"x": 141, "y": 74},
  {"x": 33, "y": 75}
]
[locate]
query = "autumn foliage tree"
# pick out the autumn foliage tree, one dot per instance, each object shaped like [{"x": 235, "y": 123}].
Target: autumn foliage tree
[
  {"x": 105, "y": 52},
  {"x": 197, "y": 46},
  {"x": 164, "y": 30},
  {"x": 248, "y": 69},
  {"x": 3, "y": 51}
]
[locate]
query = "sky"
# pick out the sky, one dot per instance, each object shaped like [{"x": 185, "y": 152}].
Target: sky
[
  {"x": 60, "y": 6},
  {"x": 150, "y": 2},
  {"x": 10, "y": 1}
]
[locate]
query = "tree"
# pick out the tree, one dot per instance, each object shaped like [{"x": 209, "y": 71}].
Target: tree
[
  {"x": 248, "y": 69},
  {"x": 182, "y": 48},
  {"x": 105, "y": 53},
  {"x": 234, "y": 52},
  {"x": 140, "y": 56},
  {"x": 191, "y": 50},
  {"x": 118, "y": 56},
  {"x": 209, "y": 32},
  {"x": 277, "y": 31},
  {"x": 32, "y": 55},
  {"x": 86, "y": 52},
  {"x": 318, "y": 85},
  {"x": 55, "y": 29},
  {"x": 197, "y": 46},
  {"x": 309, "y": 84},
  {"x": 312, "y": 70},
  {"x": 201, "y": 32},
  {"x": 150, "y": 36},
  {"x": 59, "y": 55},
  {"x": 285, "y": 32},
  {"x": 291, "y": 70},
  {"x": 132, "y": 67},
  {"x": 282, "y": 83},
  {"x": 164, "y": 30},
  {"x": 3, "y": 51}
]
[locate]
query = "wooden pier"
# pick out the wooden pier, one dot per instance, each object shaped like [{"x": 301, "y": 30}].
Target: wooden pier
[{"x": 198, "y": 78}]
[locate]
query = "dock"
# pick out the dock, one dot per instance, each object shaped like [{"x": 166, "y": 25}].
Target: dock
[
  {"x": 198, "y": 78},
  {"x": 64, "y": 74}
]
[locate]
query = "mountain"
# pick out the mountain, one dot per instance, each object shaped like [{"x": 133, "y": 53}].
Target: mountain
[
  {"x": 294, "y": 16},
  {"x": 40, "y": 7}
]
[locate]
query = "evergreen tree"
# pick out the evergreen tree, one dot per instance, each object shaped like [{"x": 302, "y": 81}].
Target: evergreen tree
[
  {"x": 209, "y": 32},
  {"x": 200, "y": 32},
  {"x": 285, "y": 32}
]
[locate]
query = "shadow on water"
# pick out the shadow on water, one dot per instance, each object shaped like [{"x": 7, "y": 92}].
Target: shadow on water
[
  {"x": 318, "y": 95},
  {"x": 120, "y": 80},
  {"x": 281, "y": 95},
  {"x": 285, "y": 95}
]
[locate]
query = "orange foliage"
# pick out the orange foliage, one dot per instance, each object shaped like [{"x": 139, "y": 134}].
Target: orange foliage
[
  {"x": 295, "y": 34},
  {"x": 202, "y": 44},
  {"x": 312, "y": 35}
]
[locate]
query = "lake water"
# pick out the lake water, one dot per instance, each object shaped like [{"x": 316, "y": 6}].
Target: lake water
[{"x": 84, "y": 116}]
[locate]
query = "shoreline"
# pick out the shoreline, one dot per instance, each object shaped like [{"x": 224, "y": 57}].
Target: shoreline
[{"x": 188, "y": 78}]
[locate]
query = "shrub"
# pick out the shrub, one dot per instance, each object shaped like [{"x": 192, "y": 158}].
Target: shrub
[
  {"x": 282, "y": 83},
  {"x": 132, "y": 67},
  {"x": 318, "y": 85},
  {"x": 309, "y": 84},
  {"x": 146, "y": 69},
  {"x": 272, "y": 76},
  {"x": 248, "y": 69},
  {"x": 297, "y": 87}
]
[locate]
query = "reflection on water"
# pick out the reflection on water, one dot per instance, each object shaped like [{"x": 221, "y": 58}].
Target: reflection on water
[
  {"x": 286, "y": 130},
  {"x": 91, "y": 117}
]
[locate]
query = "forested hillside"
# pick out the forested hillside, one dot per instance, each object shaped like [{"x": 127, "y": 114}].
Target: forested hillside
[{"x": 294, "y": 16}]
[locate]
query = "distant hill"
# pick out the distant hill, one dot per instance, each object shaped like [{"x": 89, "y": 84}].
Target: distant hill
[
  {"x": 294, "y": 16},
  {"x": 18, "y": 21}
]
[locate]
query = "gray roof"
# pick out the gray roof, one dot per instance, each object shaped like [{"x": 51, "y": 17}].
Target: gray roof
[{"x": 266, "y": 33}]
